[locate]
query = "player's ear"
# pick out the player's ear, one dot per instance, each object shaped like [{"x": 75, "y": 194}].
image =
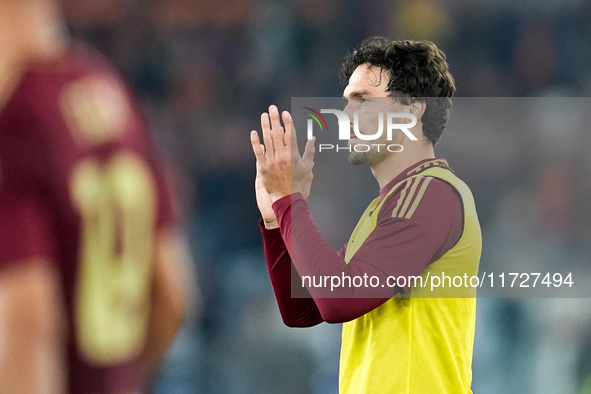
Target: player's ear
[{"x": 417, "y": 108}]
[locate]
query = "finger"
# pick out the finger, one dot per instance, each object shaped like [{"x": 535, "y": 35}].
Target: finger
[
  {"x": 258, "y": 149},
  {"x": 291, "y": 136},
  {"x": 288, "y": 129},
  {"x": 309, "y": 152},
  {"x": 266, "y": 128},
  {"x": 276, "y": 129}
]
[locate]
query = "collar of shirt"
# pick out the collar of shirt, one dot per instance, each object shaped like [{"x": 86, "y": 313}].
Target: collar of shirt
[{"x": 412, "y": 170}]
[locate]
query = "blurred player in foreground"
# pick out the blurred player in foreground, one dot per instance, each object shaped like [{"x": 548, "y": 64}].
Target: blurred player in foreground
[
  {"x": 423, "y": 222},
  {"x": 91, "y": 271}
]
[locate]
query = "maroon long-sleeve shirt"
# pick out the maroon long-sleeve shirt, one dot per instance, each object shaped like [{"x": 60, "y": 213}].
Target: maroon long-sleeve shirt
[{"x": 403, "y": 243}]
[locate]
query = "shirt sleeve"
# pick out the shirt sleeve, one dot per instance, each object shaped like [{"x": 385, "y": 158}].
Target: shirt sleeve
[
  {"x": 295, "y": 312},
  {"x": 403, "y": 243},
  {"x": 25, "y": 217},
  {"x": 25, "y": 225}
]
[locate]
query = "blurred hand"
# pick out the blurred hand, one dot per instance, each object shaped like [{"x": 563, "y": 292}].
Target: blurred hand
[{"x": 281, "y": 170}]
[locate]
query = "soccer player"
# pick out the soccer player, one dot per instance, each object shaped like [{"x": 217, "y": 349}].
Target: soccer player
[
  {"x": 399, "y": 339},
  {"x": 91, "y": 271}
]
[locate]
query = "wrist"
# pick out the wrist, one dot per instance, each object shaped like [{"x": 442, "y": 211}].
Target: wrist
[
  {"x": 281, "y": 205},
  {"x": 271, "y": 225},
  {"x": 278, "y": 196}
]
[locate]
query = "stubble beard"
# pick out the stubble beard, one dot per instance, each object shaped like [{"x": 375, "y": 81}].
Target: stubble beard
[
  {"x": 373, "y": 156},
  {"x": 364, "y": 158}
]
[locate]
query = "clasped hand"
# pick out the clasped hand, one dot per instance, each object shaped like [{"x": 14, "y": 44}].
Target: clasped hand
[{"x": 281, "y": 170}]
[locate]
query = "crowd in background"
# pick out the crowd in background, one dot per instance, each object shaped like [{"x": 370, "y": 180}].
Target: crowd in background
[{"x": 205, "y": 70}]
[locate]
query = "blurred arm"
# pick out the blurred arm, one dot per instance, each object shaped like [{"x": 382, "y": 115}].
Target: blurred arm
[
  {"x": 31, "y": 330},
  {"x": 169, "y": 297}
]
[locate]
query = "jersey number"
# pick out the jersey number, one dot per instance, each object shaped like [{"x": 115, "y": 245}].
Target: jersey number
[{"x": 116, "y": 201}]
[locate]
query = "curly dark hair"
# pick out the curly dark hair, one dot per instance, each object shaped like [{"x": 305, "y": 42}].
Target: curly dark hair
[{"x": 417, "y": 71}]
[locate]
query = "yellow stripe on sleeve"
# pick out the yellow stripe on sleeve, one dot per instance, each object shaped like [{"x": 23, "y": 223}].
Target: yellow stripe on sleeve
[
  {"x": 410, "y": 195},
  {"x": 419, "y": 197}
]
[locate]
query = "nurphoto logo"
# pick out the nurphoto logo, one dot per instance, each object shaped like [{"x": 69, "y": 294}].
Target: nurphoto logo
[{"x": 347, "y": 132}]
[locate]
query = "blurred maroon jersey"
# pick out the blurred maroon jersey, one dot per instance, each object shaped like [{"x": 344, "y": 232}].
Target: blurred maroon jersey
[{"x": 80, "y": 185}]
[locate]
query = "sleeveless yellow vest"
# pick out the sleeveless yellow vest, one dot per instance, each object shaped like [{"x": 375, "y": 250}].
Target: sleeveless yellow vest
[{"x": 414, "y": 344}]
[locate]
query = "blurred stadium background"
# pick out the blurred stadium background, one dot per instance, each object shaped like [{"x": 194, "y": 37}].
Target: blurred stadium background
[{"x": 206, "y": 69}]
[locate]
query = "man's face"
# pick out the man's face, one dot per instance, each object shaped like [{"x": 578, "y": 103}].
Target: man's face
[{"x": 366, "y": 95}]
